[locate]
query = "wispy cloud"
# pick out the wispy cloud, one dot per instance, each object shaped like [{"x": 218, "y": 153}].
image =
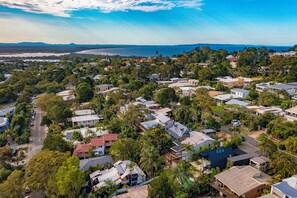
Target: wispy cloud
[{"x": 64, "y": 8}]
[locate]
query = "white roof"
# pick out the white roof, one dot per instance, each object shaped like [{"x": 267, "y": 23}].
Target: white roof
[
  {"x": 197, "y": 138},
  {"x": 84, "y": 112},
  {"x": 238, "y": 102},
  {"x": 162, "y": 118},
  {"x": 226, "y": 97},
  {"x": 65, "y": 93},
  {"x": 85, "y": 118}
]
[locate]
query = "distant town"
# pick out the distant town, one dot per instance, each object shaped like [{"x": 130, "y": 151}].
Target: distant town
[{"x": 202, "y": 123}]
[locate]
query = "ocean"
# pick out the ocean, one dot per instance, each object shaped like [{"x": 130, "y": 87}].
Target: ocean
[{"x": 148, "y": 51}]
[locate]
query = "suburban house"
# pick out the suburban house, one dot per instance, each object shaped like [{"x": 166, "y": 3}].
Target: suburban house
[
  {"x": 154, "y": 77},
  {"x": 179, "y": 152},
  {"x": 85, "y": 164},
  {"x": 262, "y": 87},
  {"x": 160, "y": 120},
  {"x": 67, "y": 95},
  {"x": 230, "y": 82},
  {"x": 122, "y": 172},
  {"x": 187, "y": 91},
  {"x": 84, "y": 112},
  {"x": 238, "y": 102},
  {"x": 290, "y": 88},
  {"x": 97, "y": 146},
  {"x": 225, "y": 98},
  {"x": 107, "y": 92},
  {"x": 85, "y": 132},
  {"x": 103, "y": 87},
  {"x": 291, "y": 114},
  {"x": 184, "y": 83},
  {"x": 260, "y": 163},
  {"x": 86, "y": 121},
  {"x": 241, "y": 181},
  {"x": 277, "y": 111},
  {"x": 284, "y": 189},
  {"x": 240, "y": 92}
]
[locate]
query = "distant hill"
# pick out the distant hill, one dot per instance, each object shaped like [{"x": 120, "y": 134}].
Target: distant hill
[{"x": 40, "y": 47}]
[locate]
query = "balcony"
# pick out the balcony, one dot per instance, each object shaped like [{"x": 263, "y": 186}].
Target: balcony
[{"x": 222, "y": 189}]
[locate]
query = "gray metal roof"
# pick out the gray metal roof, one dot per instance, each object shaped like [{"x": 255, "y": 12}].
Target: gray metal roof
[{"x": 86, "y": 163}]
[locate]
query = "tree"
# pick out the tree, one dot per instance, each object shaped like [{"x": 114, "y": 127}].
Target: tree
[
  {"x": 55, "y": 142},
  {"x": 165, "y": 96},
  {"x": 162, "y": 186},
  {"x": 76, "y": 135},
  {"x": 70, "y": 178},
  {"x": 5, "y": 153},
  {"x": 150, "y": 160},
  {"x": 47, "y": 101},
  {"x": 84, "y": 92},
  {"x": 131, "y": 151},
  {"x": 3, "y": 140},
  {"x": 203, "y": 101},
  {"x": 268, "y": 99},
  {"x": 182, "y": 172},
  {"x": 42, "y": 169},
  {"x": 12, "y": 187},
  {"x": 160, "y": 139}
]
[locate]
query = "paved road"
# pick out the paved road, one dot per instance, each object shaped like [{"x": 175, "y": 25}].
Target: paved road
[{"x": 38, "y": 134}]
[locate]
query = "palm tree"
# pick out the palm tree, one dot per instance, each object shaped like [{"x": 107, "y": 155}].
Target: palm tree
[
  {"x": 182, "y": 172},
  {"x": 149, "y": 160}
]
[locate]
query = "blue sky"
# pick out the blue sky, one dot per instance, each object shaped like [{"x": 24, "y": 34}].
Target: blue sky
[{"x": 270, "y": 22}]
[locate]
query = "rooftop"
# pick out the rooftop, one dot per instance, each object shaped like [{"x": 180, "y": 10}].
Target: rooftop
[
  {"x": 288, "y": 186},
  {"x": 178, "y": 130},
  {"x": 196, "y": 138},
  {"x": 226, "y": 97},
  {"x": 86, "y": 163},
  {"x": 241, "y": 179},
  {"x": 85, "y": 118},
  {"x": 84, "y": 112},
  {"x": 238, "y": 102}
]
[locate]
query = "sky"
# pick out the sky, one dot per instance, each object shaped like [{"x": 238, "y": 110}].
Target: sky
[{"x": 151, "y": 22}]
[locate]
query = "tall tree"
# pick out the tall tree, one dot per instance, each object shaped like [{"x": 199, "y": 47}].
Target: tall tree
[
  {"x": 84, "y": 92},
  {"x": 42, "y": 169},
  {"x": 12, "y": 187},
  {"x": 70, "y": 178}
]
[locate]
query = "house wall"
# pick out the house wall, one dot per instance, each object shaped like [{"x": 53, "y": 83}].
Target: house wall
[
  {"x": 99, "y": 150},
  {"x": 256, "y": 192}
]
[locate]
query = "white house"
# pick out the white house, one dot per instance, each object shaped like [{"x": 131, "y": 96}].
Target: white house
[
  {"x": 122, "y": 172},
  {"x": 240, "y": 92},
  {"x": 291, "y": 114},
  {"x": 86, "y": 121}
]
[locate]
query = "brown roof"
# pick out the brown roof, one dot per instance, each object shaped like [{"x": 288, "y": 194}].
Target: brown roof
[
  {"x": 260, "y": 160},
  {"x": 215, "y": 93},
  {"x": 242, "y": 179}
]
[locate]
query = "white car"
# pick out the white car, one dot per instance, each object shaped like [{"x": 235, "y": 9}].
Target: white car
[
  {"x": 237, "y": 124},
  {"x": 234, "y": 121}
]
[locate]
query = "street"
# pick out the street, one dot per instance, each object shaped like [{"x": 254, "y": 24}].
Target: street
[{"x": 38, "y": 134}]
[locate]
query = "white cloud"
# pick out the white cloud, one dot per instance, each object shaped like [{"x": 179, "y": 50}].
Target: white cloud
[{"x": 64, "y": 8}]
